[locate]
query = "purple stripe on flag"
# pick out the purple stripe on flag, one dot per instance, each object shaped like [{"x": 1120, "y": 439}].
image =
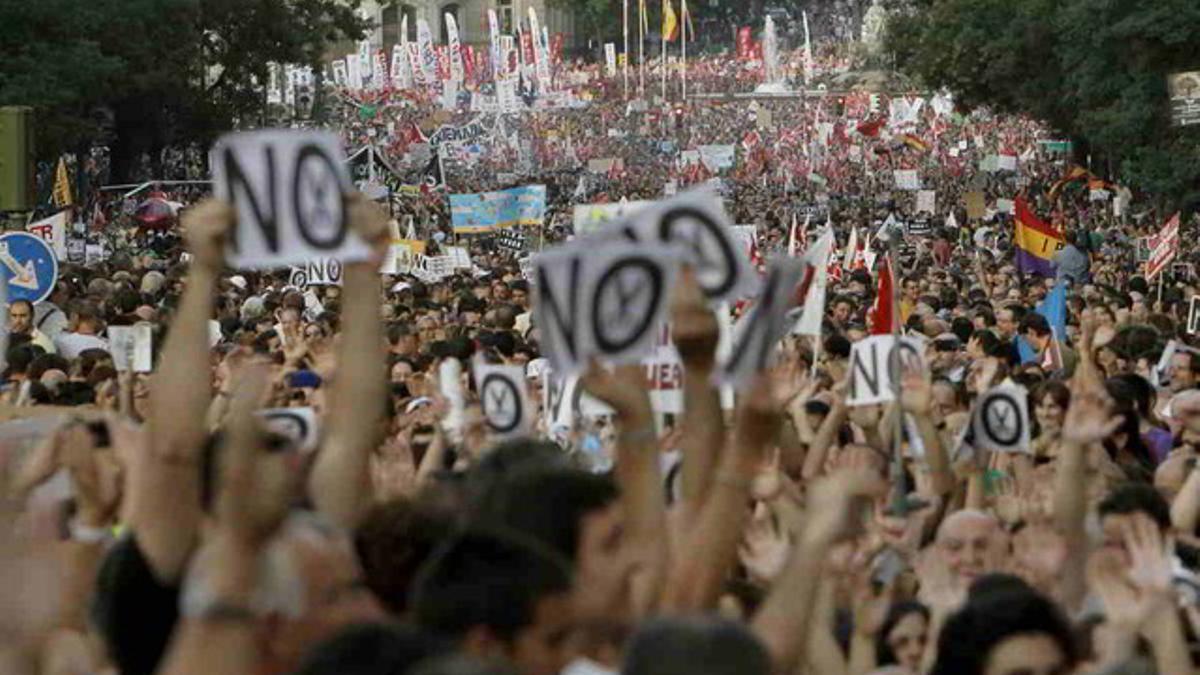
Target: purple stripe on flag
[{"x": 1028, "y": 263}]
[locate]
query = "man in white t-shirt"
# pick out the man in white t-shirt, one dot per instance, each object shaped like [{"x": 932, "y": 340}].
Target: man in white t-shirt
[{"x": 83, "y": 332}]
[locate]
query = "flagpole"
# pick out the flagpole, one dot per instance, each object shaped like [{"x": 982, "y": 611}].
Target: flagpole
[
  {"x": 662, "y": 29},
  {"x": 641, "y": 48},
  {"x": 683, "y": 66},
  {"x": 625, "y": 53}
]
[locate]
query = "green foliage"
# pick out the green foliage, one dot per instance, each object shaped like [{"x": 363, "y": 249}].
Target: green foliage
[
  {"x": 1092, "y": 69},
  {"x": 154, "y": 72}
]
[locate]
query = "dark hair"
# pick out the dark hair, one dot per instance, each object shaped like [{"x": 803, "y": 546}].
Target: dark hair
[
  {"x": 486, "y": 579},
  {"x": 393, "y": 541},
  {"x": 837, "y": 346},
  {"x": 372, "y": 649},
  {"x": 988, "y": 619},
  {"x": 884, "y": 656},
  {"x": 1035, "y": 322},
  {"x": 688, "y": 645},
  {"x": 1131, "y": 498},
  {"x": 546, "y": 504}
]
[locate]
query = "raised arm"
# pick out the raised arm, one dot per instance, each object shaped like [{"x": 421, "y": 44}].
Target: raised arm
[
  {"x": 638, "y": 474},
  {"x": 164, "y": 492},
  {"x": 712, "y": 541},
  {"x": 695, "y": 331},
  {"x": 784, "y": 618},
  {"x": 340, "y": 483},
  {"x": 917, "y": 400},
  {"x": 1185, "y": 509}
]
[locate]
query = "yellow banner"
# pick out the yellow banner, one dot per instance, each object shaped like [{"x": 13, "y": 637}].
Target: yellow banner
[{"x": 62, "y": 186}]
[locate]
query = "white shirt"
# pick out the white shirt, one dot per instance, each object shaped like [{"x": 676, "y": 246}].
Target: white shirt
[{"x": 71, "y": 345}]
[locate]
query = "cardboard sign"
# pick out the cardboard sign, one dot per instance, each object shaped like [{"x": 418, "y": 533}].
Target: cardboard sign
[
  {"x": 976, "y": 205},
  {"x": 319, "y": 272},
  {"x": 131, "y": 347},
  {"x": 289, "y": 189},
  {"x": 1000, "y": 419},
  {"x": 504, "y": 399},
  {"x": 757, "y": 334},
  {"x": 298, "y": 425},
  {"x": 605, "y": 301},
  {"x": 696, "y": 221},
  {"x": 877, "y": 364}
]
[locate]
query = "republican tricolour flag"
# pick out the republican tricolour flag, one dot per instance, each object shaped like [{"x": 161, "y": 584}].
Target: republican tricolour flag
[
  {"x": 670, "y": 28},
  {"x": 1035, "y": 241}
]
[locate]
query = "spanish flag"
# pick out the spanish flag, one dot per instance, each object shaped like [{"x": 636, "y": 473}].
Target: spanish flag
[
  {"x": 1077, "y": 173},
  {"x": 670, "y": 28},
  {"x": 1035, "y": 241},
  {"x": 914, "y": 142}
]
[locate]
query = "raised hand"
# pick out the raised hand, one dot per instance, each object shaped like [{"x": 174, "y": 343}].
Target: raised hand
[
  {"x": 1089, "y": 419},
  {"x": 96, "y": 495},
  {"x": 370, "y": 221},
  {"x": 693, "y": 325},
  {"x": 206, "y": 229},
  {"x": 765, "y": 547}
]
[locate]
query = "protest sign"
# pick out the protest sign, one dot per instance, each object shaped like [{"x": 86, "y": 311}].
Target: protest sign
[
  {"x": 918, "y": 227},
  {"x": 1000, "y": 419},
  {"x": 877, "y": 364},
  {"x": 1006, "y": 163},
  {"x": 1184, "y": 91},
  {"x": 603, "y": 301},
  {"x": 717, "y": 157},
  {"x": 696, "y": 220},
  {"x": 487, "y": 211},
  {"x": 907, "y": 179},
  {"x": 759, "y": 331},
  {"x": 591, "y": 218},
  {"x": 1006, "y": 206},
  {"x": 511, "y": 240},
  {"x": 289, "y": 190},
  {"x": 131, "y": 347},
  {"x": 464, "y": 134},
  {"x": 926, "y": 201},
  {"x": 975, "y": 204},
  {"x": 54, "y": 231},
  {"x": 318, "y": 272},
  {"x": 1163, "y": 247},
  {"x": 298, "y": 425},
  {"x": 503, "y": 398}
]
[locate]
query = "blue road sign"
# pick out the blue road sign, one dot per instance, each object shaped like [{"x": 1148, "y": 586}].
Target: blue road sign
[{"x": 29, "y": 266}]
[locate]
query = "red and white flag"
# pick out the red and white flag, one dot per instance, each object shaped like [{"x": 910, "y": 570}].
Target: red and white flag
[
  {"x": 882, "y": 316},
  {"x": 1164, "y": 246}
]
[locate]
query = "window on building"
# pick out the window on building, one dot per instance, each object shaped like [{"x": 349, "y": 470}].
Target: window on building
[{"x": 390, "y": 27}]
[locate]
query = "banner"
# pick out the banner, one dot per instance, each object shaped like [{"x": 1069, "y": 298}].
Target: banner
[
  {"x": 428, "y": 56},
  {"x": 717, "y": 157},
  {"x": 541, "y": 59},
  {"x": 1163, "y": 248},
  {"x": 456, "y": 64},
  {"x": 471, "y": 132},
  {"x": 591, "y": 218},
  {"x": 487, "y": 211},
  {"x": 401, "y": 77},
  {"x": 498, "y": 69},
  {"x": 53, "y": 231}
]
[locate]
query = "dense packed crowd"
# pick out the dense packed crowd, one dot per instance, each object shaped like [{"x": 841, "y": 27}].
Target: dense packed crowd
[{"x": 154, "y": 523}]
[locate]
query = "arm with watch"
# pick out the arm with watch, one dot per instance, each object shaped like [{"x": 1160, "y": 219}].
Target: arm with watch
[{"x": 219, "y": 617}]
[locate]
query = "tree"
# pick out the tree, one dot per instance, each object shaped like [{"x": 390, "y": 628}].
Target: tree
[
  {"x": 1094, "y": 70},
  {"x": 154, "y": 73}
]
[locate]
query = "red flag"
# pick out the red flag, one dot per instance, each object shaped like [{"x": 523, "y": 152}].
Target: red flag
[
  {"x": 870, "y": 127},
  {"x": 882, "y": 317}
]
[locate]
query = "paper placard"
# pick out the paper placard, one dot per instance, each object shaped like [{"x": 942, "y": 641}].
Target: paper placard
[
  {"x": 876, "y": 365},
  {"x": 289, "y": 189},
  {"x": 503, "y": 398},
  {"x": 1000, "y": 419},
  {"x": 131, "y": 347}
]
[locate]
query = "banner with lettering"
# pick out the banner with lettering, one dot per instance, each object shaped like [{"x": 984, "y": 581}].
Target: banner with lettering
[{"x": 487, "y": 211}]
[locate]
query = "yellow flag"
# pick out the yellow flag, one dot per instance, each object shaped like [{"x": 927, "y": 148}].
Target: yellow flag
[
  {"x": 62, "y": 185},
  {"x": 670, "y": 28}
]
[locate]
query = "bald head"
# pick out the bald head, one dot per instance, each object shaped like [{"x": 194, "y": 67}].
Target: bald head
[{"x": 969, "y": 542}]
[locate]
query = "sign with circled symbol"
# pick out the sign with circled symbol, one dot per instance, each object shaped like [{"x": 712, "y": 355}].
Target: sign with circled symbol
[
  {"x": 503, "y": 397},
  {"x": 1000, "y": 420}
]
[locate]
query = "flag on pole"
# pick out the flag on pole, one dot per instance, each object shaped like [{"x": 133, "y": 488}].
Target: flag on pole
[
  {"x": 792, "y": 247},
  {"x": 1035, "y": 241},
  {"x": 62, "y": 186},
  {"x": 851, "y": 249},
  {"x": 882, "y": 316},
  {"x": 816, "y": 262},
  {"x": 670, "y": 28}
]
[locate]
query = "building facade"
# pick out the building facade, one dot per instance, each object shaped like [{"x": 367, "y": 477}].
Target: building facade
[{"x": 471, "y": 16}]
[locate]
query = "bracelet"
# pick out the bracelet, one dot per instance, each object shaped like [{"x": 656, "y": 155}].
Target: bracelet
[
  {"x": 730, "y": 479},
  {"x": 86, "y": 534}
]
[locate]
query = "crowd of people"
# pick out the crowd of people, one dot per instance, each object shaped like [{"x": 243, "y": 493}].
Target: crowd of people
[{"x": 156, "y": 523}]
